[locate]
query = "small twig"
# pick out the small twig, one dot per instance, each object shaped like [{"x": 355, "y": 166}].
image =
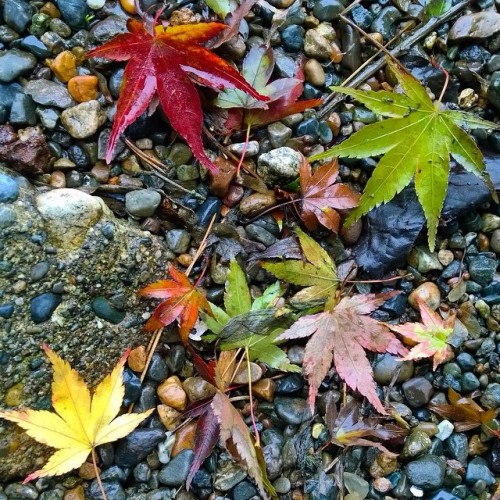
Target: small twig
[
  {"x": 157, "y": 167},
  {"x": 242, "y": 158},
  {"x": 401, "y": 49},
  {"x": 97, "y": 475},
  {"x": 252, "y": 414}
]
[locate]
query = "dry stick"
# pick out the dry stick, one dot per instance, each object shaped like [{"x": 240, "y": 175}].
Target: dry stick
[
  {"x": 157, "y": 167},
  {"x": 401, "y": 49}
]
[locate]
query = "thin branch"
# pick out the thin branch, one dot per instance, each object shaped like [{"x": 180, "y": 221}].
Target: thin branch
[{"x": 97, "y": 475}]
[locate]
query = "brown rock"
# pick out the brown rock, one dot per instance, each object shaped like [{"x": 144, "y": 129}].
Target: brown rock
[
  {"x": 479, "y": 25},
  {"x": 27, "y": 152},
  {"x": 169, "y": 416},
  {"x": 351, "y": 234},
  {"x": 58, "y": 179},
  {"x": 137, "y": 359},
  {"x": 63, "y": 66},
  {"x": 336, "y": 54},
  {"x": 428, "y": 292},
  {"x": 383, "y": 465},
  {"x": 218, "y": 183},
  {"x": 256, "y": 203},
  {"x": 128, "y": 6},
  {"x": 172, "y": 393},
  {"x": 75, "y": 493},
  {"x": 314, "y": 73},
  {"x": 241, "y": 375},
  {"x": 86, "y": 471},
  {"x": 196, "y": 388},
  {"x": 264, "y": 389},
  {"x": 51, "y": 10},
  {"x": 100, "y": 172},
  {"x": 184, "y": 438},
  {"x": 234, "y": 196},
  {"x": 476, "y": 446},
  {"x": 83, "y": 88}
]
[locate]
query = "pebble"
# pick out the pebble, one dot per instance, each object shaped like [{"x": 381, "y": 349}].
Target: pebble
[
  {"x": 317, "y": 46},
  {"x": 17, "y": 14},
  {"x": 142, "y": 202},
  {"x": 9, "y": 189},
  {"x": 210, "y": 207},
  {"x": 279, "y": 134},
  {"x": 184, "y": 438},
  {"x": 244, "y": 491},
  {"x": 458, "y": 447},
  {"x": 427, "y": 472},
  {"x": 445, "y": 430},
  {"x": 172, "y": 393},
  {"x": 490, "y": 398},
  {"x": 264, "y": 389},
  {"x": 178, "y": 240},
  {"x": 424, "y": 260},
  {"x": 478, "y": 470},
  {"x": 482, "y": 269},
  {"x": 280, "y": 166},
  {"x": 21, "y": 491},
  {"x": 228, "y": 475},
  {"x": 479, "y": 25},
  {"x": 256, "y": 203},
  {"x": 73, "y": 11},
  {"x": 196, "y": 388},
  {"x": 493, "y": 93},
  {"x": 428, "y": 292},
  {"x": 39, "y": 271},
  {"x": 63, "y": 66},
  {"x": 169, "y": 416},
  {"x": 14, "y": 63},
  {"x": 176, "y": 471},
  {"x": 83, "y": 120},
  {"x": 42, "y": 306},
  {"x": 137, "y": 359},
  {"x": 327, "y": 10},
  {"x": 8, "y": 217},
  {"x": 292, "y": 38},
  {"x": 241, "y": 374},
  {"x": 135, "y": 447},
  {"x": 495, "y": 241},
  {"x": 105, "y": 310},
  {"x": 314, "y": 73},
  {"x": 109, "y": 27},
  {"x": 83, "y": 88},
  {"x": 293, "y": 411},
  {"x": 417, "y": 444},
  {"x": 49, "y": 93},
  {"x": 418, "y": 392}
]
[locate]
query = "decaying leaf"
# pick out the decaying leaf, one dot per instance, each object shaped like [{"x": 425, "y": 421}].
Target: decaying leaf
[
  {"x": 430, "y": 336},
  {"x": 80, "y": 422},
  {"x": 341, "y": 335},
  {"x": 182, "y": 302},
  {"x": 317, "y": 272},
  {"x": 283, "y": 93},
  {"x": 416, "y": 142},
  {"x": 322, "y": 196},
  {"x": 165, "y": 62},
  {"x": 464, "y": 412},
  {"x": 347, "y": 429}
]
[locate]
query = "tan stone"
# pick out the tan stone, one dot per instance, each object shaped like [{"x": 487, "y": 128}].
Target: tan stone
[
  {"x": 83, "y": 88},
  {"x": 256, "y": 203},
  {"x": 172, "y": 393},
  {"x": 63, "y": 66},
  {"x": 86, "y": 471},
  {"x": 196, "y": 388},
  {"x": 241, "y": 375},
  {"x": 137, "y": 359},
  {"x": 58, "y": 179},
  {"x": 427, "y": 292},
  {"x": 264, "y": 389},
  {"x": 314, "y": 73},
  {"x": 184, "y": 438},
  {"x": 169, "y": 416},
  {"x": 77, "y": 493}
]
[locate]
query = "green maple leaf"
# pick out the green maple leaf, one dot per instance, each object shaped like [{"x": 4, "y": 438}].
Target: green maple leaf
[
  {"x": 416, "y": 143},
  {"x": 253, "y": 326}
]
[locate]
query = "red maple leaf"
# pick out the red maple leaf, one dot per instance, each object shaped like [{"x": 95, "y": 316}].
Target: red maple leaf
[
  {"x": 165, "y": 62},
  {"x": 321, "y": 196},
  {"x": 341, "y": 336},
  {"x": 182, "y": 301}
]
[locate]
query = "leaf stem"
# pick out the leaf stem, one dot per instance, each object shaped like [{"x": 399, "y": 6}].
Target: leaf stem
[
  {"x": 445, "y": 86},
  {"x": 245, "y": 146},
  {"x": 252, "y": 413},
  {"x": 97, "y": 476}
]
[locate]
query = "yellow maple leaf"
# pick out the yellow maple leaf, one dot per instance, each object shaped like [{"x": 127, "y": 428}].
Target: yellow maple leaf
[{"x": 80, "y": 422}]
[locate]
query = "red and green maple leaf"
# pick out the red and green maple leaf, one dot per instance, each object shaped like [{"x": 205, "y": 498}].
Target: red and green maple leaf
[
  {"x": 165, "y": 62},
  {"x": 430, "y": 336},
  {"x": 322, "y": 196},
  {"x": 182, "y": 302},
  {"x": 341, "y": 335}
]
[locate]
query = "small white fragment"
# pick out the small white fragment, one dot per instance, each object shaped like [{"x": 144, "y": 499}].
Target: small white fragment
[
  {"x": 96, "y": 4},
  {"x": 416, "y": 492},
  {"x": 445, "y": 430}
]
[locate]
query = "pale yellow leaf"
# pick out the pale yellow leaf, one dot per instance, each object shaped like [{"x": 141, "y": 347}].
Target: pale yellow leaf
[
  {"x": 61, "y": 462},
  {"x": 120, "y": 427}
]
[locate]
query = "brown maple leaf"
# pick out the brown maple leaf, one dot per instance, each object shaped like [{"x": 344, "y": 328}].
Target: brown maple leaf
[
  {"x": 465, "y": 412},
  {"x": 430, "y": 336},
  {"x": 342, "y": 335},
  {"x": 182, "y": 301},
  {"x": 166, "y": 62},
  {"x": 347, "y": 429},
  {"x": 322, "y": 196}
]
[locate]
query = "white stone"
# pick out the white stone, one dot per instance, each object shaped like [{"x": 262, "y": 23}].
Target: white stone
[{"x": 445, "y": 430}]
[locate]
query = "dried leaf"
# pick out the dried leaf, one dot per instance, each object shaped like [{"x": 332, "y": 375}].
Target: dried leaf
[
  {"x": 165, "y": 62},
  {"x": 342, "y": 335},
  {"x": 80, "y": 422},
  {"x": 322, "y": 196},
  {"x": 182, "y": 302}
]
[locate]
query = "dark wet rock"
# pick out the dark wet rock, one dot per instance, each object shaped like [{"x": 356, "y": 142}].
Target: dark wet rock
[
  {"x": 43, "y": 306},
  {"x": 17, "y": 14},
  {"x": 244, "y": 491},
  {"x": 113, "y": 489},
  {"x": 458, "y": 447},
  {"x": 474, "y": 26},
  {"x": 6, "y": 310},
  {"x": 321, "y": 487},
  {"x": 384, "y": 23},
  {"x": 427, "y": 472},
  {"x": 14, "y": 63},
  {"x": 207, "y": 209},
  {"x": 493, "y": 93},
  {"x": 158, "y": 370},
  {"x": 136, "y": 446},
  {"x": 105, "y": 310},
  {"x": 142, "y": 203},
  {"x": 293, "y": 38},
  {"x": 178, "y": 240},
  {"x": 290, "y": 384},
  {"x": 132, "y": 385},
  {"x": 418, "y": 391},
  {"x": 327, "y": 10},
  {"x": 34, "y": 45},
  {"x": 362, "y": 17},
  {"x": 73, "y": 12},
  {"x": 417, "y": 444},
  {"x": 478, "y": 470},
  {"x": 391, "y": 230},
  {"x": 21, "y": 491},
  {"x": 293, "y": 411},
  {"x": 386, "y": 366},
  {"x": 108, "y": 28},
  {"x": 482, "y": 268},
  {"x": 22, "y": 112},
  {"x": 491, "y": 396},
  {"x": 176, "y": 471}
]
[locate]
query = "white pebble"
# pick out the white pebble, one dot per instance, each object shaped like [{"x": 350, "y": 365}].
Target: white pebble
[
  {"x": 416, "y": 492},
  {"x": 96, "y": 4},
  {"x": 445, "y": 430}
]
